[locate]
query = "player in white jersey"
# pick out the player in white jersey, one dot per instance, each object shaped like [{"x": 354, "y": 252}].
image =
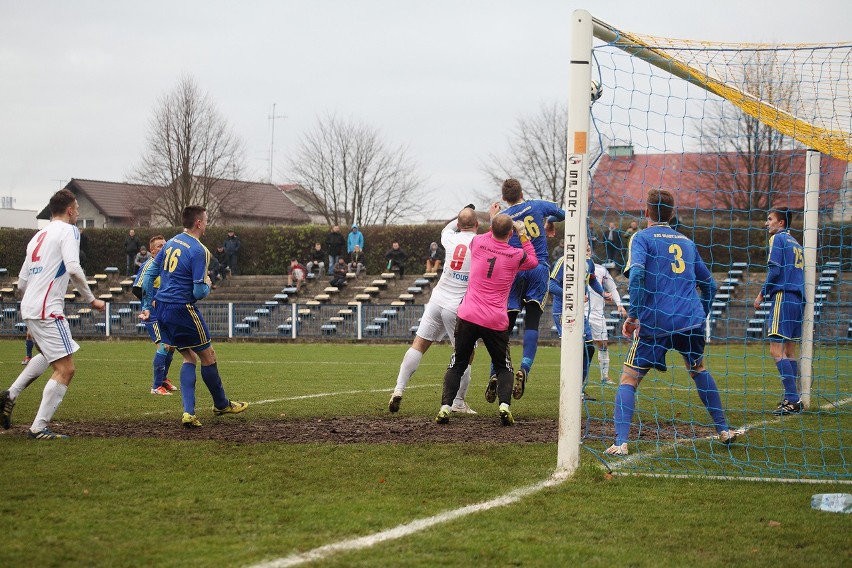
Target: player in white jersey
[
  {"x": 53, "y": 258},
  {"x": 597, "y": 320},
  {"x": 439, "y": 316}
]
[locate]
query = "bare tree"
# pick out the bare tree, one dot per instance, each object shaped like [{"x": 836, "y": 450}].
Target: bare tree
[
  {"x": 538, "y": 150},
  {"x": 190, "y": 148},
  {"x": 351, "y": 176},
  {"x": 748, "y": 156}
]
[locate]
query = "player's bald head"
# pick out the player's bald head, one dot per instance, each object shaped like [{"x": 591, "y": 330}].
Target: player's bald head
[
  {"x": 501, "y": 226},
  {"x": 467, "y": 219}
]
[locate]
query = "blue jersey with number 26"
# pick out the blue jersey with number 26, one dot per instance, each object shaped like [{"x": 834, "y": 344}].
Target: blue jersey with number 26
[
  {"x": 183, "y": 261},
  {"x": 673, "y": 268},
  {"x": 533, "y": 213}
]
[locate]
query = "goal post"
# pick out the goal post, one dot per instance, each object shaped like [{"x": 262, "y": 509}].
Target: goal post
[{"x": 733, "y": 131}]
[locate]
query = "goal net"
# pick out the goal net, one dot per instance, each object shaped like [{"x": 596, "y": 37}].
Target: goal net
[{"x": 732, "y": 131}]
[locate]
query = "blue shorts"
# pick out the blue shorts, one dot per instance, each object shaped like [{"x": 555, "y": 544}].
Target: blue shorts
[
  {"x": 182, "y": 326},
  {"x": 648, "y": 353},
  {"x": 784, "y": 322},
  {"x": 153, "y": 327},
  {"x": 530, "y": 286}
]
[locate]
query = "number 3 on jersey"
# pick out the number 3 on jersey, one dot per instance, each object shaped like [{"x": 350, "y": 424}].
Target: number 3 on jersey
[
  {"x": 678, "y": 265},
  {"x": 458, "y": 257},
  {"x": 171, "y": 259}
]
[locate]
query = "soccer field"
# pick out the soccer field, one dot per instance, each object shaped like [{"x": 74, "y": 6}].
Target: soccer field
[{"x": 317, "y": 468}]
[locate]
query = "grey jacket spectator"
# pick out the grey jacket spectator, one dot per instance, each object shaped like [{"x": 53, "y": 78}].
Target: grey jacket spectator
[
  {"x": 141, "y": 257},
  {"x": 339, "y": 273},
  {"x": 614, "y": 245},
  {"x": 232, "y": 251}
]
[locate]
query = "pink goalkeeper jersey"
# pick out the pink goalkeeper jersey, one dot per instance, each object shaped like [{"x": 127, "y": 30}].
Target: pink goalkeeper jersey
[
  {"x": 493, "y": 267},
  {"x": 44, "y": 270}
]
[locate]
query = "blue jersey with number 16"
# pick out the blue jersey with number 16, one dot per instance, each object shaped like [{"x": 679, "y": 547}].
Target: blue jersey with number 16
[{"x": 182, "y": 262}]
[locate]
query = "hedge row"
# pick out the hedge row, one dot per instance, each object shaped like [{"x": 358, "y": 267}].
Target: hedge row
[{"x": 268, "y": 250}]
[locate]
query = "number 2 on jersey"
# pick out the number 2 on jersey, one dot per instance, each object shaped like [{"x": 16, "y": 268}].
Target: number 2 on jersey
[
  {"x": 458, "y": 257},
  {"x": 39, "y": 242}
]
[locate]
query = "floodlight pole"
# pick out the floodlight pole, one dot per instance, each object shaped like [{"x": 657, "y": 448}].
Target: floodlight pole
[{"x": 576, "y": 205}]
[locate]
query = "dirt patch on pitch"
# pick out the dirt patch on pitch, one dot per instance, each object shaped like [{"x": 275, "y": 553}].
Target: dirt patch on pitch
[{"x": 367, "y": 430}]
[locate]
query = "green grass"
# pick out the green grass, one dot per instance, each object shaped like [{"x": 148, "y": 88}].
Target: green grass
[{"x": 131, "y": 502}]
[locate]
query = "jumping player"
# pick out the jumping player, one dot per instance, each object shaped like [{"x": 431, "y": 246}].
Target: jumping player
[
  {"x": 529, "y": 289},
  {"x": 439, "y": 315}
]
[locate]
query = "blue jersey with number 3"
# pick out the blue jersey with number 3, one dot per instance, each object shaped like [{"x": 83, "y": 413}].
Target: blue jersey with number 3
[
  {"x": 673, "y": 268},
  {"x": 182, "y": 262}
]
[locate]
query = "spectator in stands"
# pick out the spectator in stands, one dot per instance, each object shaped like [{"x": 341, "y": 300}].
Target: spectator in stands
[
  {"x": 338, "y": 278},
  {"x": 396, "y": 259},
  {"x": 558, "y": 251},
  {"x": 357, "y": 262},
  {"x": 222, "y": 259},
  {"x": 213, "y": 269},
  {"x": 297, "y": 273},
  {"x": 435, "y": 258},
  {"x": 631, "y": 230},
  {"x": 141, "y": 258},
  {"x": 131, "y": 248},
  {"x": 614, "y": 246},
  {"x": 334, "y": 243},
  {"x": 232, "y": 251},
  {"x": 317, "y": 260},
  {"x": 355, "y": 239}
]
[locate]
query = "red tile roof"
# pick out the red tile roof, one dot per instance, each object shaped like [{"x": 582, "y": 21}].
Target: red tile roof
[{"x": 698, "y": 180}]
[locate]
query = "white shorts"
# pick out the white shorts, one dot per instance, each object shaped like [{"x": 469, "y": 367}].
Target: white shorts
[
  {"x": 436, "y": 323},
  {"x": 53, "y": 337},
  {"x": 599, "y": 331}
]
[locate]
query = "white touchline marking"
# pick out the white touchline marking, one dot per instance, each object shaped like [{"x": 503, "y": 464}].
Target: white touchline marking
[
  {"x": 409, "y": 528},
  {"x": 337, "y": 393}
]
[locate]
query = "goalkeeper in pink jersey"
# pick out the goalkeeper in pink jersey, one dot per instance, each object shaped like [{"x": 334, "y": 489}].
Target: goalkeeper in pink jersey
[{"x": 482, "y": 312}]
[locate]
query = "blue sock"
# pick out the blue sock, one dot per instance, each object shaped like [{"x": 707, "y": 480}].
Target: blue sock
[
  {"x": 585, "y": 365},
  {"x": 211, "y": 378},
  {"x": 169, "y": 356},
  {"x": 708, "y": 392},
  {"x": 625, "y": 406},
  {"x": 187, "y": 387},
  {"x": 788, "y": 379},
  {"x": 159, "y": 369},
  {"x": 795, "y": 365},
  {"x": 29, "y": 345},
  {"x": 530, "y": 347}
]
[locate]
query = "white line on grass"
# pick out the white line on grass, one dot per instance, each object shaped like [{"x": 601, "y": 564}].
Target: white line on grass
[
  {"x": 409, "y": 528},
  {"x": 631, "y": 459},
  {"x": 316, "y": 395}
]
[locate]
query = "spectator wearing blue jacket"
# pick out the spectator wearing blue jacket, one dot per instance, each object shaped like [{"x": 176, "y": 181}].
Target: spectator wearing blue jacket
[{"x": 356, "y": 238}]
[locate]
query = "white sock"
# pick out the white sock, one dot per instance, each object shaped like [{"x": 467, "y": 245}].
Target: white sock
[
  {"x": 34, "y": 369},
  {"x": 462, "y": 392},
  {"x": 409, "y": 364},
  {"x": 603, "y": 359},
  {"x": 54, "y": 392}
]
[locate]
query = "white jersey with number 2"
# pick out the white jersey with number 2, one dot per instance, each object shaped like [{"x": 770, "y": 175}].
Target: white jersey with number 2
[{"x": 44, "y": 273}]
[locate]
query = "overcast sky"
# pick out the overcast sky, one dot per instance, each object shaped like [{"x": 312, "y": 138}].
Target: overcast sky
[{"x": 447, "y": 79}]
